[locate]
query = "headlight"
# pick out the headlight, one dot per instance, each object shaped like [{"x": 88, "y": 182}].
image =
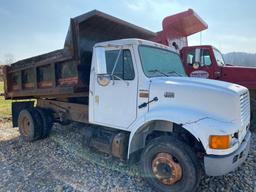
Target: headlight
[{"x": 220, "y": 141}]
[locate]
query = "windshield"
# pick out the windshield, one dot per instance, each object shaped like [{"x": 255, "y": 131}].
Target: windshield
[
  {"x": 218, "y": 57},
  {"x": 160, "y": 62}
]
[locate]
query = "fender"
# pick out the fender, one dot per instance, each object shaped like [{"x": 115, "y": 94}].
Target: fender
[{"x": 199, "y": 124}]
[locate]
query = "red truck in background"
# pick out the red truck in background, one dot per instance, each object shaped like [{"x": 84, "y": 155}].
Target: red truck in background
[
  {"x": 202, "y": 61},
  {"x": 210, "y": 64}
]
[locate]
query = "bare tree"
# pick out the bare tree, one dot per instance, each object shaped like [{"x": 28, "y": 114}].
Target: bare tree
[
  {"x": 1, "y": 71},
  {"x": 9, "y": 59}
]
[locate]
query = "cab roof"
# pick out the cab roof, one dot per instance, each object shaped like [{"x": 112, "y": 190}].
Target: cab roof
[{"x": 131, "y": 41}]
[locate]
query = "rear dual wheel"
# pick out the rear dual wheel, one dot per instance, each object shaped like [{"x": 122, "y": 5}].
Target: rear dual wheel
[
  {"x": 34, "y": 123},
  {"x": 30, "y": 124},
  {"x": 170, "y": 165},
  {"x": 47, "y": 121}
]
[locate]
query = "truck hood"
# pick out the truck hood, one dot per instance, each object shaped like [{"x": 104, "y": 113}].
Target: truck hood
[
  {"x": 215, "y": 99},
  {"x": 203, "y": 83},
  {"x": 241, "y": 75}
]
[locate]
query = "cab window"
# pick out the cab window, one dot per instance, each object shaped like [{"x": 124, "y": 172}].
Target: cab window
[
  {"x": 205, "y": 58},
  {"x": 219, "y": 58},
  {"x": 160, "y": 62},
  {"x": 191, "y": 58},
  {"x": 124, "y": 66}
]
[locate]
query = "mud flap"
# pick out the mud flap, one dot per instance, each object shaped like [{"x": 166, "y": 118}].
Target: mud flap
[{"x": 16, "y": 109}]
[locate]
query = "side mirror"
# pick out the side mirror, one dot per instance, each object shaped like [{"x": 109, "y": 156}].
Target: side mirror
[
  {"x": 197, "y": 56},
  {"x": 100, "y": 61},
  {"x": 103, "y": 78},
  {"x": 196, "y": 63}
]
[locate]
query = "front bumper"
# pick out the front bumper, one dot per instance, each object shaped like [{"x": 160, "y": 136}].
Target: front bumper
[{"x": 216, "y": 165}]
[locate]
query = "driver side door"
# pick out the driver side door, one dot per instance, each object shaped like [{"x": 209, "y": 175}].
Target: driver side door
[{"x": 115, "y": 104}]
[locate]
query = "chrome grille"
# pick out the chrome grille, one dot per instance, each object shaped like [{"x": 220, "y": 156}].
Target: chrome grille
[{"x": 245, "y": 107}]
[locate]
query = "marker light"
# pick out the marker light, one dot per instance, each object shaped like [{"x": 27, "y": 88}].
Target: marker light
[{"x": 220, "y": 141}]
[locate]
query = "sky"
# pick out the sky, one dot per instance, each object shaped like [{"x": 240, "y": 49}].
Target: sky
[{"x": 29, "y": 27}]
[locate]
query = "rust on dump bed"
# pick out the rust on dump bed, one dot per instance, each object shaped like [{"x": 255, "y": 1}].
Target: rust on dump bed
[{"x": 66, "y": 72}]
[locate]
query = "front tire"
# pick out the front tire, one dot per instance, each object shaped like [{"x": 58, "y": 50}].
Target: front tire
[{"x": 169, "y": 165}]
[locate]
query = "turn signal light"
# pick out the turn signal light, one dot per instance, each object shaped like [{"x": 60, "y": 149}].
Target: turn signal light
[{"x": 219, "y": 141}]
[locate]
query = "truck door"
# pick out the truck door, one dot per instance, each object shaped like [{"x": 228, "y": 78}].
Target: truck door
[
  {"x": 115, "y": 104},
  {"x": 198, "y": 63}
]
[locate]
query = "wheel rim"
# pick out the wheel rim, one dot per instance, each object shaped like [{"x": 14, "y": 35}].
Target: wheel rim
[
  {"x": 166, "y": 169},
  {"x": 25, "y": 124}
]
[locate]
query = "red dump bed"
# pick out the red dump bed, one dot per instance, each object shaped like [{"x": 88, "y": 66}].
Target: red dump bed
[{"x": 176, "y": 28}]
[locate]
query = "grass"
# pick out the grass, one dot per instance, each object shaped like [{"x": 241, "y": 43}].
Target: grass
[{"x": 5, "y": 105}]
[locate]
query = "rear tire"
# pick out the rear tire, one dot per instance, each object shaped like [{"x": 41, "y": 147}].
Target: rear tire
[
  {"x": 47, "y": 121},
  {"x": 170, "y": 165},
  {"x": 30, "y": 124}
]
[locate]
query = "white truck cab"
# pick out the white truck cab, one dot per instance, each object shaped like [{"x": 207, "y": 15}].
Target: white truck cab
[{"x": 141, "y": 87}]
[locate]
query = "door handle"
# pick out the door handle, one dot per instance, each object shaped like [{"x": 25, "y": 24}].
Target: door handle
[{"x": 146, "y": 103}]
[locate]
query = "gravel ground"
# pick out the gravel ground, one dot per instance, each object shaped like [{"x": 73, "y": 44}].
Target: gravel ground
[{"x": 59, "y": 163}]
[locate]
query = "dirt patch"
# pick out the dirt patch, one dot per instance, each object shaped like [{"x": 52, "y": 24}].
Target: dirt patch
[{"x": 60, "y": 163}]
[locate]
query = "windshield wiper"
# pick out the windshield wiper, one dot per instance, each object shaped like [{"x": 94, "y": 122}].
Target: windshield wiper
[
  {"x": 157, "y": 71},
  {"x": 171, "y": 72}
]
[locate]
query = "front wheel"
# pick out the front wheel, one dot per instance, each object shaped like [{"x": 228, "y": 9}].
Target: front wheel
[{"x": 170, "y": 165}]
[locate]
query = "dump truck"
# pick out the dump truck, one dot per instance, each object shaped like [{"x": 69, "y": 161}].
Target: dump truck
[{"x": 138, "y": 100}]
